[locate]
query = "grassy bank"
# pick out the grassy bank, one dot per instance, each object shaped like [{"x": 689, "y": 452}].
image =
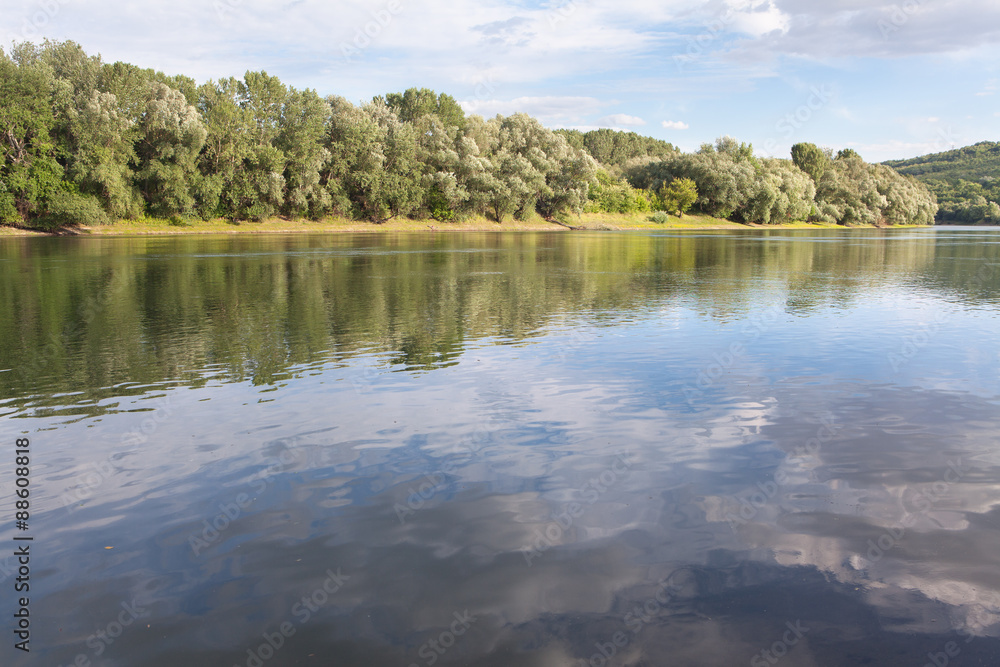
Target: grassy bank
[{"x": 587, "y": 221}]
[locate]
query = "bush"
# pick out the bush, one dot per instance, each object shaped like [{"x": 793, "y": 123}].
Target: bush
[
  {"x": 66, "y": 209},
  {"x": 660, "y": 217}
]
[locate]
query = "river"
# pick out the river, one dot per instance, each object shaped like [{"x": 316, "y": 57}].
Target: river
[{"x": 533, "y": 449}]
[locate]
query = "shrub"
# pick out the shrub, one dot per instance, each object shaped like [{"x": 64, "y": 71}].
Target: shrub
[{"x": 71, "y": 208}]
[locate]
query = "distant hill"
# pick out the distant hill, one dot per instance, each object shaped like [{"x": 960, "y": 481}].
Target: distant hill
[{"x": 965, "y": 180}]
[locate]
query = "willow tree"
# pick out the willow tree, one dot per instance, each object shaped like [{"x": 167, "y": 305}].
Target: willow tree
[
  {"x": 302, "y": 131},
  {"x": 30, "y": 176},
  {"x": 242, "y": 169},
  {"x": 373, "y": 164},
  {"x": 170, "y": 142}
]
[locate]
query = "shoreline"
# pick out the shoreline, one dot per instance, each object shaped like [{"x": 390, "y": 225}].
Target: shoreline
[{"x": 585, "y": 222}]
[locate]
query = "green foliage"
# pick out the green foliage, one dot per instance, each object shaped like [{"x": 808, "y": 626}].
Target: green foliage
[
  {"x": 679, "y": 195},
  {"x": 811, "y": 159},
  {"x": 83, "y": 141},
  {"x": 731, "y": 183},
  {"x": 29, "y": 171},
  {"x": 373, "y": 161},
  {"x": 302, "y": 133},
  {"x": 67, "y": 209},
  {"x": 610, "y": 195},
  {"x": 966, "y": 182},
  {"x": 172, "y": 137},
  {"x": 853, "y": 192},
  {"x": 242, "y": 169},
  {"x": 660, "y": 217},
  {"x": 415, "y": 103},
  {"x": 613, "y": 148},
  {"x": 724, "y": 179}
]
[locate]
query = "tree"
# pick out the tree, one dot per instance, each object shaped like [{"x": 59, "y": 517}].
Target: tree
[
  {"x": 243, "y": 170},
  {"x": 853, "y": 192},
  {"x": 531, "y": 169},
  {"x": 679, "y": 195},
  {"x": 415, "y": 103},
  {"x": 30, "y": 176},
  {"x": 102, "y": 142},
  {"x": 811, "y": 159},
  {"x": 373, "y": 166},
  {"x": 302, "y": 131},
  {"x": 171, "y": 138}
]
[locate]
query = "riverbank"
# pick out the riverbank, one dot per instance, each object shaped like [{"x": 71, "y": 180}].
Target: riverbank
[{"x": 587, "y": 221}]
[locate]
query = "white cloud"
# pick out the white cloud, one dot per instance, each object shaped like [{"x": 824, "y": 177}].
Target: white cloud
[
  {"x": 989, "y": 90},
  {"x": 621, "y": 120},
  {"x": 874, "y": 28},
  {"x": 757, "y": 17},
  {"x": 551, "y": 110},
  {"x": 675, "y": 125}
]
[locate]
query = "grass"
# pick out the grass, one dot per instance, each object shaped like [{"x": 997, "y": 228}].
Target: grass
[{"x": 587, "y": 221}]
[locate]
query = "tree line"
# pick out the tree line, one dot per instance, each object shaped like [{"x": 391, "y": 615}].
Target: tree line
[
  {"x": 966, "y": 181},
  {"x": 815, "y": 185},
  {"x": 87, "y": 142}
]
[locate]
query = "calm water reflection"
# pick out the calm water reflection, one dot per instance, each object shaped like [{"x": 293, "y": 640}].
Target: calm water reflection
[{"x": 530, "y": 449}]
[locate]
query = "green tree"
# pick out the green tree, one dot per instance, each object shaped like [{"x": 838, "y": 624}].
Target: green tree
[
  {"x": 30, "y": 176},
  {"x": 302, "y": 131},
  {"x": 172, "y": 136},
  {"x": 373, "y": 166},
  {"x": 243, "y": 172},
  {"x": 811, "y": 159},
  {"x": 415, "y": 103},
  {"x": 679, "y": 195}
]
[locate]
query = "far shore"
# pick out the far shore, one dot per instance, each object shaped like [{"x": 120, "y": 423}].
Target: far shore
[{"x": 585, "y": 222}]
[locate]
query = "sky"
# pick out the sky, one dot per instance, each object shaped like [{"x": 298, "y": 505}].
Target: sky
[{"x": 890, "y": 80}]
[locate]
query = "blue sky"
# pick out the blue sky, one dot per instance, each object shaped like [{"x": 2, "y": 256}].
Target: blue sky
[{"x": 891, "y": 80}]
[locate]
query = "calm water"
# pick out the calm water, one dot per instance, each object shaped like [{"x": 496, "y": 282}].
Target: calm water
[{"x": 532, "y": 449}]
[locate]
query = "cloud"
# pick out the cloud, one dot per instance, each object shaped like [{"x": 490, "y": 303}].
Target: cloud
[
  {"x": 675, "y": 125},
  {"x": 756, "y": 17},
  {"x": 551, "y": 110},
  {"x": 621, "y": 120},
  {"x": 989, "y": 90},
  {"x": 514, "y": 31},
  {"x": 875, "y": 28}
]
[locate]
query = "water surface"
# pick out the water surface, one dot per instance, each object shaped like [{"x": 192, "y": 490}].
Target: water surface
[{"x": 718, "y": 448}]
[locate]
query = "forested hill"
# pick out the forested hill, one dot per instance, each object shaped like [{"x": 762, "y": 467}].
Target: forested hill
[
  {"x": 965, "y": 180},
  {"x": 84, "y": 142}
]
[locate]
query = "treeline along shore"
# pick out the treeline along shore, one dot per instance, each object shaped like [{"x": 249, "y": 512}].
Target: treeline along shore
[{"x": 88, "y": 143}]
